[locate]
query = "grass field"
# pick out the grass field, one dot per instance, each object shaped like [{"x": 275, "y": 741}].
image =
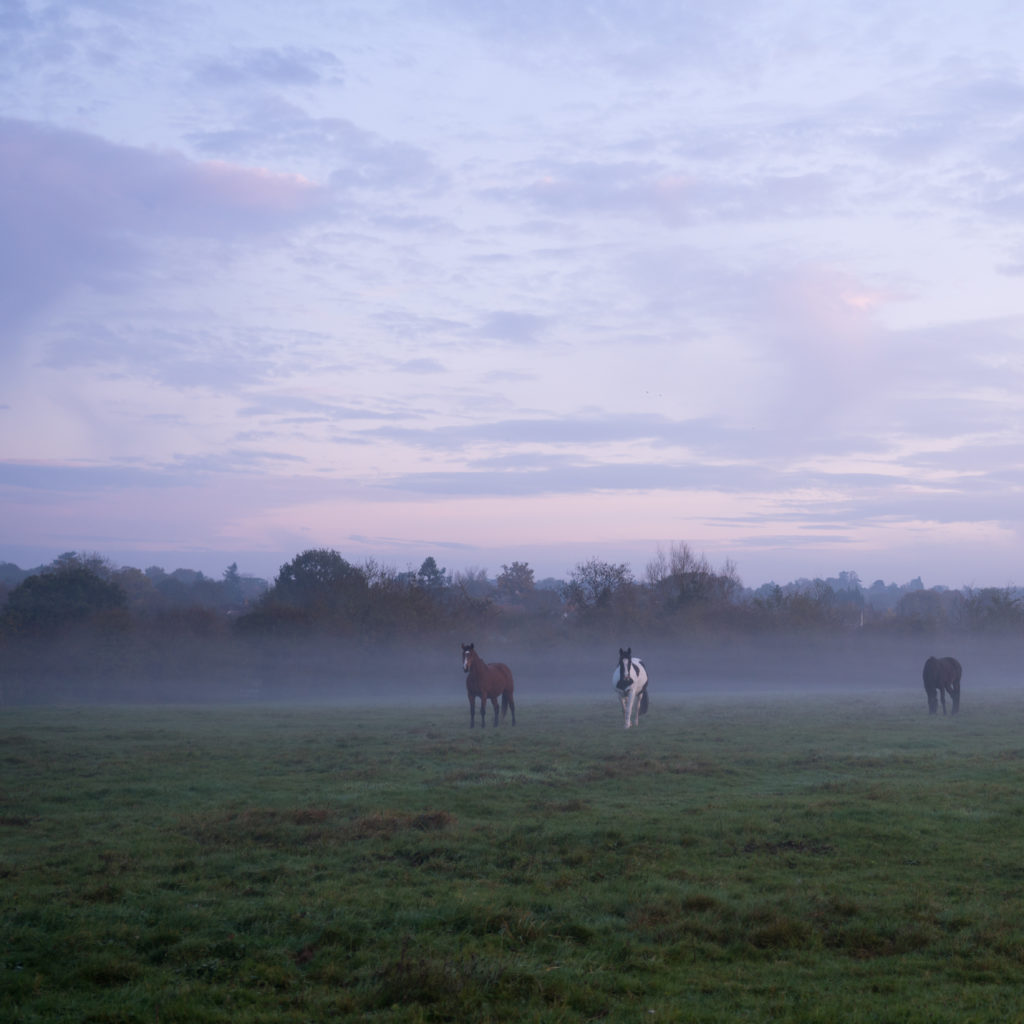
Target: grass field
[{"x": 740, "y": 859}]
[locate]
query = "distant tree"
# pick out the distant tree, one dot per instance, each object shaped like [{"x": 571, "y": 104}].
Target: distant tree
[
  {"x": 11, "y": 575},
  {"x": 232, "y": 585},
  {"x": 847, "y": 595},
  {"x": 189, "y": 577},
  {"x": 185, "y": 588},
  {"x": 812, "y": 605},
  {"x": 48, "y": 601},
  {"x": 847, "y": 580},
  {"x": 993, "y": 608},
  {"x": 468, "y": 605},
  {"x": 768, "y": 600},
  {"x": 803, "y": 604},
  {"x": 515, "y": 582},
  {"x": 882, "y": 597},
  {"x": 682, "y": 578},
  {"x": 929, "y": 609},
  {"x": 595, "y": 584},
  {"x": 139, "y": 590},
  {"x": 550, "y": 583},
  {"x": 251, "y": 587},
  {"x": 396, "y": 604},
  {"x": 473, "y": 582},
  {"x": 321, "y": 582},
  {"x": 430, "y": 576},
  {"x": 91, "y": 560}
]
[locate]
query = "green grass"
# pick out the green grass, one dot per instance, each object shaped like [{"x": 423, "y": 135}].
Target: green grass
[{"x": 734, "y": 860}]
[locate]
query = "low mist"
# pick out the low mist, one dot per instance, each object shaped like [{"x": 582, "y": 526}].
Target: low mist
[{"x": 89, "y": 668}]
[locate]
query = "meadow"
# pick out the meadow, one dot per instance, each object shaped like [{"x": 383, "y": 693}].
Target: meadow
[{"x": 738, "y": 858}]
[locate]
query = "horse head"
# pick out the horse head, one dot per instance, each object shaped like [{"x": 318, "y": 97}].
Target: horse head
[
  {"x": 625, "y": 666},
  {"x": 468, "y": 654}
]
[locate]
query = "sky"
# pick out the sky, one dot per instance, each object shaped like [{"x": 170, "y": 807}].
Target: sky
[{"x": 486, "y": 281}]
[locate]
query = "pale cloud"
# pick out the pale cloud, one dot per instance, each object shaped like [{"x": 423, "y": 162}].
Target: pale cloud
[
  {"x": 76, "y": 209},
  {"x": 272, "y": 66},
  {"x": 518, "y": 328},
  {"x": 674, "y": 196},
  {"x": 351, "y": 157},
  {"x": 420, "y": 366}
]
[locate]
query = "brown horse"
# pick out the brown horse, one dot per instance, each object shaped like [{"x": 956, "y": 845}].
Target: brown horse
[
  {"x": 488, "y": 682},
  {"x": 942, "y": 676}
]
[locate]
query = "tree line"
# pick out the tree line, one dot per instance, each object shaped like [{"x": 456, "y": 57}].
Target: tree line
[
  {"x": 319, "y": 590},
  {"x": 84, "y": 627}
]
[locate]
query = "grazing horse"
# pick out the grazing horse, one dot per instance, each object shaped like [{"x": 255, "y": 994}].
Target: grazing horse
[
  {"x": 488, "y": 682},
  {"x": 630, "y": 680},
  {"x": 942, "y": 676}
]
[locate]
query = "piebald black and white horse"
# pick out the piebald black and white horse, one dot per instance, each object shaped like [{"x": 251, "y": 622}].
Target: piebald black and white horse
[
  {"x": 942, "y": 676},
  {"x": 630, "y": 682}
]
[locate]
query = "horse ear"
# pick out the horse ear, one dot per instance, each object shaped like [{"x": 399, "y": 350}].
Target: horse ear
[{"x": 629, "y": 652}]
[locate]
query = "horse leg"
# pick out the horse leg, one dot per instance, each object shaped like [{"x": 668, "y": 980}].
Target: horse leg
[
  {"x": 956, "y": 699},
  {"x": 511, "y": 706},
  {"x": 494, "y": 704},
  {"x": 472, "y": 712},
  {"x": 942, "y": 697},
  {"x": 933, "y": 702}
]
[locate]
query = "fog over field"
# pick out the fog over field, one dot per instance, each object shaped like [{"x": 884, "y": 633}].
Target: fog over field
[
  {"x": 743, "y": 667},
  {"x": 751, "y": 668}
]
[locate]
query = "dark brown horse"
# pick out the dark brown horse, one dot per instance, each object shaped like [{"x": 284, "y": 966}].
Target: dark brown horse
[
  {"x": 488, "y": 682},
  {"x": 942, "y": 676}
]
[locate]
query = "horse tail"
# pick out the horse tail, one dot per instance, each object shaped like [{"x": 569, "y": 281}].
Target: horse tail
[
  {"x": 644, "y": 702},
  {"x": 508, "y": 701}
]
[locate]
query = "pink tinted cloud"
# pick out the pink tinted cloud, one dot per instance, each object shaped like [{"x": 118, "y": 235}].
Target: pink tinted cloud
[
  {"x": 51, "y": 177},
  {"x": 273, "y": 194},
  {"x": 77, "y": 209}
]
